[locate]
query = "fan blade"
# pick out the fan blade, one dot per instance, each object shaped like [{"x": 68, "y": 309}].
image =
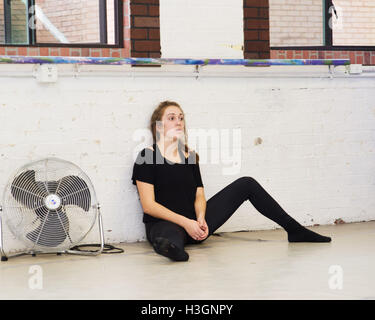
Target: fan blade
[
  {"x": 51, "y": 186},
  {"x": 53, "y": 228},
  {"x": 74, "y": 190},
  {"x": 27, "y": 191}
]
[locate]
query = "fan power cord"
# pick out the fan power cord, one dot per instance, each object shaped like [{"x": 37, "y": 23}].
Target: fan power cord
[{"x": 108, "y": 249}]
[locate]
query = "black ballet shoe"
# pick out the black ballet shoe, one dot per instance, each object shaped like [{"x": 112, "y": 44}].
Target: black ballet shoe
[
  {"x": 168, "y": 249},
  {"x": 306, "y": 235}
]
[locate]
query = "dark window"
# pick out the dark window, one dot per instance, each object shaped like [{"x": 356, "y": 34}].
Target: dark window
[
  {"x": 13, "y": 22},
  {"x": 344, "y": 25},
  {"x": 353, "y": 23},
  {"x": 89, "y": 23}
]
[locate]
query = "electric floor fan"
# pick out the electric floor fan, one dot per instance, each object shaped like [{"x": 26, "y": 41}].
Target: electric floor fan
[{"x": 50, "y": 205}]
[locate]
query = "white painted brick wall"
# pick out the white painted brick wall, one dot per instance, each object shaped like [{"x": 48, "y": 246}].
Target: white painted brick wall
[
  {"x": 201, "y": 29},
  {"x": 316, "y": 157}
]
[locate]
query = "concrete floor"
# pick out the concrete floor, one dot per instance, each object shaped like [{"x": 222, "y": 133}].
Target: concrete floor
[{"x": 239, "y": 265}]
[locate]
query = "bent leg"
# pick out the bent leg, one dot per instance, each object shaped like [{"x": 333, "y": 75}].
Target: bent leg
[
  {"x": 222, "y": 205},
  {"x": 167, "y": 239}
]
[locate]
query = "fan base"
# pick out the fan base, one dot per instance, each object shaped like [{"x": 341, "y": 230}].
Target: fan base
[
  {"x": 34, "y": 254},
  {"x": 69, "y": 251}
]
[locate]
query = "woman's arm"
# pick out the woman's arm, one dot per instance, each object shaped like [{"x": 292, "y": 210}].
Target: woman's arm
[
  {"x": 200, "y": 211},
  {"x": 200, "y": 203}
]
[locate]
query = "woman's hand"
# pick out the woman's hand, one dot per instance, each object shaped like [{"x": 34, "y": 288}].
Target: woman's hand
[
  {"x": 193, "y": 228},
  {"x": 203, "y": 225}
]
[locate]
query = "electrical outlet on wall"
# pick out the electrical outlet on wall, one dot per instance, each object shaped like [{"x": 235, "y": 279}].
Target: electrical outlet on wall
[
  {"x": 47, "y": 73},
  {"x": 355, "y": 69}
]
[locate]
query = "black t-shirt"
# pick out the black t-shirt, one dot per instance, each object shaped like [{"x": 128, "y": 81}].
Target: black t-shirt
[{"x": 175, "y": 184}]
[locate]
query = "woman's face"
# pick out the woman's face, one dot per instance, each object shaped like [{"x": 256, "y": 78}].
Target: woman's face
[{"x": 173, "y": 123}]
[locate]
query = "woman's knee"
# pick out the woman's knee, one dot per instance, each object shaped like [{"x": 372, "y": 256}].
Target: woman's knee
[
  {"x": 246, "y": 183},
  {"x": 246, "y": 180}
]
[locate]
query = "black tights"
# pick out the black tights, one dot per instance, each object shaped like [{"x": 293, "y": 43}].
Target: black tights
[{"x": 223, "y": 204}]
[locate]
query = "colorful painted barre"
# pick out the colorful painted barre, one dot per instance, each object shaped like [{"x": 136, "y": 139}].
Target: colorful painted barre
[{"x": 162, "y": 61}]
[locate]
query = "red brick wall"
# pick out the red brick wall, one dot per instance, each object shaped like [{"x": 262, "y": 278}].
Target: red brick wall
[
  {"x": 256, "y": 29},
  {"x": 356, "y": 57},
  {"x": 145, "y": 29}
]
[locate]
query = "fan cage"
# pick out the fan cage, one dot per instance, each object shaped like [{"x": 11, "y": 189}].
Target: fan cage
[{"x": 41, "y": 226}]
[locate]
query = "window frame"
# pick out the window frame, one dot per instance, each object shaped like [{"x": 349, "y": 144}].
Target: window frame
[
  {"x": 327, "y": 37},
  {"x": 7, "y": 21},
  {"x": 119, "y": 34}
]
